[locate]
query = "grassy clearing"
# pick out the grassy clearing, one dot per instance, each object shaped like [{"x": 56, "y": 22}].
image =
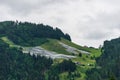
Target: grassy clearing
[
  {"x": 95, "y": 52},
  {"x": 5, "y": 39},
  {"x": 53, "y": 45},
  {"x": 11, "y": 44}
]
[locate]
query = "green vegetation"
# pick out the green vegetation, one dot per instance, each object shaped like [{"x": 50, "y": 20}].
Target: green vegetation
[
  {"x": 5, "y": 39},
  {"x": 109, "y": 62},
  {"x": 74, "y": 45},
  {"x": 53, "y": 45},
  {"x": 100, "y": 64},
  {"x": 85, "y": 62},
  {"x": 95, "y": 52},
  {"x": 29, "y": 34},
  {"x": 66, "y": 66},
  {"x": 18, "y": 66}
]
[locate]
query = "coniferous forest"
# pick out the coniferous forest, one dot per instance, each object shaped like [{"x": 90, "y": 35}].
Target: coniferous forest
[
  {"x": 108, "y": 64},
  {"x": 14, "y": 65},
  {"x": 26, "y": 34}
]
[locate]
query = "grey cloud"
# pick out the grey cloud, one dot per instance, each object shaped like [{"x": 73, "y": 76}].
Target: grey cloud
[
  {"x": 27, "y": 6},
  {"x": 84, "y": 20},
  {"x": 17, "y": 6},
  {"x": 103, "y": 26},
  {"x": 97, "y": 35}
]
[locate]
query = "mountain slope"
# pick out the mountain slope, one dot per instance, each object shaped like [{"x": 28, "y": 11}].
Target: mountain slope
[
  {"x": 41, "y": 40},
  {"x": 55, "y": 50}
]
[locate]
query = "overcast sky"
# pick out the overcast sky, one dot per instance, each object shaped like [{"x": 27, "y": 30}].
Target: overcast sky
[{"x": 89, "y": 22}]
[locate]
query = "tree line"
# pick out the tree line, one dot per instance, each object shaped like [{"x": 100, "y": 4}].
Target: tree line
[{"x": 26, "y": 33}]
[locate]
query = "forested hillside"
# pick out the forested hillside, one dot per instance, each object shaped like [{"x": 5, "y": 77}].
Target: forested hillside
[
  {"x": 108, "y": 65},
  {"x": 14, "y": 65},
  {"x": 30, "y": 51},
  {"x": 30, "y": 34}
]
